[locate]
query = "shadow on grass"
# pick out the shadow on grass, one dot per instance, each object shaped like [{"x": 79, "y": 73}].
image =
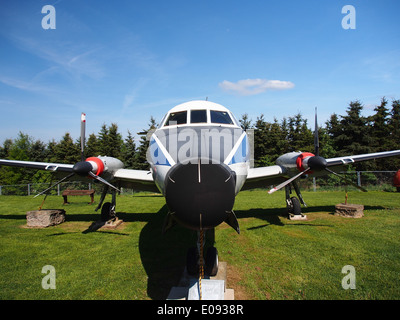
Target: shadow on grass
[
  {"x": 163, "y": 256},
  {"x": 273, "y": 215}
]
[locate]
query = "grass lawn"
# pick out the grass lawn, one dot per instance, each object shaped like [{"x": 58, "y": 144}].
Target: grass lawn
[{"x": 272, "y": 258}]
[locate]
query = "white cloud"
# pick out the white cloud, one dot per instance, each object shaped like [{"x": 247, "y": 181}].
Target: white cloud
[{"x": 249, "y": 87}]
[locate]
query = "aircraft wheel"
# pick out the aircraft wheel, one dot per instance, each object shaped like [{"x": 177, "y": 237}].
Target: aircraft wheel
[
  {"x": 212, "y": 261},
  {"x": 192, "y": 261},
  {"x": 106, "y": 211},
  {"x": 296, "y": 207}
]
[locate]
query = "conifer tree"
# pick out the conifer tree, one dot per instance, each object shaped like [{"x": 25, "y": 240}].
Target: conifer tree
[
  {"x": 67, "y": 151},
  {"x": 92, "y": 146},
  {"x": 142, "y": 163},
  {"x": 129, "y": 155}
]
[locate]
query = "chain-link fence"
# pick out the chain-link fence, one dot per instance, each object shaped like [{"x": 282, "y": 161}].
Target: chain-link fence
[
  {"x": 35, "y": 188},
  {"x": 372, "y": 180}
]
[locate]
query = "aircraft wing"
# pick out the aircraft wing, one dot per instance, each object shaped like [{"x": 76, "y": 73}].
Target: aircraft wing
[
  {"x": 339, "y": 161},
  {"x": 264, "y": 176},
  {"x": 57, "y": 167},
  {"x": 271, "y": 175},
  {"x": 140, "y": 180}
]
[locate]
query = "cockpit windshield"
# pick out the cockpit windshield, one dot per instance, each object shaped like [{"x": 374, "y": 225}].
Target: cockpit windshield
[
  {"x": 198, "y": 116},
  {"x": 177, "y": 118},
  {"x": 222, "y": 117}
]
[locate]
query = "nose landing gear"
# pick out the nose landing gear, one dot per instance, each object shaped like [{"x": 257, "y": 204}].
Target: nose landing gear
[{"x": 210, "y": 261}]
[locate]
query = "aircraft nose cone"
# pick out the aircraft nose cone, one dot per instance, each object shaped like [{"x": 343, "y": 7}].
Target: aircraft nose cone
[
  {"x": 317, "y": 163},
  {"x": 82, "y": 168},
  {"x": 194, "y": 189}
]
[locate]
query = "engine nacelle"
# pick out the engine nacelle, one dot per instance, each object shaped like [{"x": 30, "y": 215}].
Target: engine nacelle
[
  {"x": 106, "y": 166},
  {"x": 302, "y": 161}
]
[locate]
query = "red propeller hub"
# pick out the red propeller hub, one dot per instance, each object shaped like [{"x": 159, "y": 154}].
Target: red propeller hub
[
  {"x": 300, "y": 158},
  {"x": 99, "y": 164}
]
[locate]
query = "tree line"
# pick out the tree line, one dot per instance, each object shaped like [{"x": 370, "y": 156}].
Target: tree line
[{"x": 341, "y": 135}]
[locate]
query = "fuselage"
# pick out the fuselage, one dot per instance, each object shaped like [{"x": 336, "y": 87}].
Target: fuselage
[{"x": 199, "y": 157}]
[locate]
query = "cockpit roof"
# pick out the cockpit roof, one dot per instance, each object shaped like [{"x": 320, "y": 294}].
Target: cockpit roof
[{"x": 215, "y": 114}]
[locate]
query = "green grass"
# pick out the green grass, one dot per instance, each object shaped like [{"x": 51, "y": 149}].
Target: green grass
[{"x": 272, "y": 258}]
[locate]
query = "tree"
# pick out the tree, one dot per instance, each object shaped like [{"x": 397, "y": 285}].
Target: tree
[
  {"x": 393, "y": 140},
  {"x": 142, "y": 163},
  {"x": 92, "y": 146},
  {"x": 245, "y": 122},
  {"x": 67, "y": 151},
  {"x": 394, "y": 125},
  {"x": 355, "y": 134},
  {"x": 110, "y": 141},
  {"x": 115, "y": 141},
  {"x": 103, "y": 140},
  {"x": 260, "y": 142},
  {"x": 300, "y": 136},
  {"x": 380, "y": 128},
  {"x": 129, "y": 155},
  {"x": 276, "y": 143},
  {"x": 19, "y": 149}
]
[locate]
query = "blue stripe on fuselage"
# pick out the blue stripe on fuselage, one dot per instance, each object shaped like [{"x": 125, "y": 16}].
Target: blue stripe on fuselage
[
  {"x": 156, "y": 154},
  {"x": 241, "y": 153}
]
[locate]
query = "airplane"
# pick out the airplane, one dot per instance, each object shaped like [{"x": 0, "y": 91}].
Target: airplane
[{"x": 200, "y": 158}]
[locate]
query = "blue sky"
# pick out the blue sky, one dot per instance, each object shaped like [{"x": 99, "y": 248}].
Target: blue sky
[{"x": 124, "y": 61}]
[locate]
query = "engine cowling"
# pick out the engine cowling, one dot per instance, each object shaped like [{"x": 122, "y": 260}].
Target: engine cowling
[{"x": 302, "y": 161}]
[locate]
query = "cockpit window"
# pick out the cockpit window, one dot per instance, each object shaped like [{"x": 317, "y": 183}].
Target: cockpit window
[
  {"x": 220, "y": 117},
  {"x": 198, "y": 116},
  {"x": 177, "y": 118}
]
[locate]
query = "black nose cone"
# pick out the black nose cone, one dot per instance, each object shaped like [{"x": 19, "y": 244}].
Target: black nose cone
[
  {"x": 200, "y": 189},
  {"x": 317, "y": 163},
  {"x": 82, "y": 168}
]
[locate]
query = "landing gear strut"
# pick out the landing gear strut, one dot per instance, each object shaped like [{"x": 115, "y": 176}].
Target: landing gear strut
[
  {"x": 108, "y": 209},
  {"x": 210, "y": 262},
  {"x": 293, "y": 203}
]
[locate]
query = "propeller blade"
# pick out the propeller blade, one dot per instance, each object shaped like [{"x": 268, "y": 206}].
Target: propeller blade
[
  {"x": 57, "y": 183},
  {"x": 83, "y": 125},
  {"x": 285, "y": 183},
  {"x": 316, "y": 138},
  {"x": 347, "y": 180},
  {"x": 102, "y": 180}
]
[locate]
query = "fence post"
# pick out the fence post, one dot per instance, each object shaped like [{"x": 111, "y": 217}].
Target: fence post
[
  {"x": 359, "y": 178},
  {"x": 29, "y": 189}
]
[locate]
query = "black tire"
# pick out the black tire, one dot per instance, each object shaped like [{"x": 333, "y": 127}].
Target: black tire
[
  {"x": 296, "y": 207},
  {"x": 212, "y": 261},
  {"x": 192, "y": 261},
  {"x": 106, "y": 211}
]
